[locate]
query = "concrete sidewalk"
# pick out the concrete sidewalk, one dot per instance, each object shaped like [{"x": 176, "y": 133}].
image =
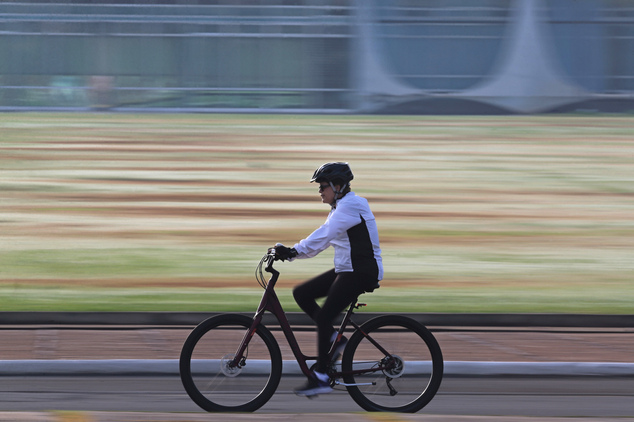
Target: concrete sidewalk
[{"x": 169, "y": 367}]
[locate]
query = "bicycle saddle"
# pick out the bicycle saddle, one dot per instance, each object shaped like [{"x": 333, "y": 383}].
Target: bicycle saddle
[{"x": 371, "y": 289}]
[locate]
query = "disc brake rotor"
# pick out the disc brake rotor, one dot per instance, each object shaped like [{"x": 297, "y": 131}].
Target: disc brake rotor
[
  {"x": 229, "y": 371},
  {"x": 396, "y": 370}
]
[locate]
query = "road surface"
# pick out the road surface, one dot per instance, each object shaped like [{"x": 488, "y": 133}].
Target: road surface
[{"x": 508, "y": 396}]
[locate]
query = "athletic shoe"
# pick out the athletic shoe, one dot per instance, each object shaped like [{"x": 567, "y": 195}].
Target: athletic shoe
[{"x": 319, "y": 384}]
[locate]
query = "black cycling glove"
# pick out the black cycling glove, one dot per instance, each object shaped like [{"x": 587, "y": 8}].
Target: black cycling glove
[{"x": 282, "y": 253}]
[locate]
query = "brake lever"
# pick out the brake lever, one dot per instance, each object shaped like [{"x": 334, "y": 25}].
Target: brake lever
[{"x": 270, "y": 259}]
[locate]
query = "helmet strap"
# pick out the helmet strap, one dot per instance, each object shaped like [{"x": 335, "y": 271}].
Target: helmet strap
[{"x": 337, "y": 193}]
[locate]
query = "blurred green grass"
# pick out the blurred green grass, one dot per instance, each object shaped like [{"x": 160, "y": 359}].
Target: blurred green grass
[
  {"x": 109, "y": 212},
  {"x": 149, "y": 281},
  {"x": 592, "y": 298}
]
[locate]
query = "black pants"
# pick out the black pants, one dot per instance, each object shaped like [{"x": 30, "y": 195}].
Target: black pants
[{"x": 340, "y": 290}]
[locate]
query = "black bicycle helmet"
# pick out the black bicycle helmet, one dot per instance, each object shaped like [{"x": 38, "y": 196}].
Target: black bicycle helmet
[{"x": 333, "y": 172}]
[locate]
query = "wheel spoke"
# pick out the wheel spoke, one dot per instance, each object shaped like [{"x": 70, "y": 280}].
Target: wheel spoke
[
  {"x": 205, "y": 370},
  {"x": 408, "y": 377}
]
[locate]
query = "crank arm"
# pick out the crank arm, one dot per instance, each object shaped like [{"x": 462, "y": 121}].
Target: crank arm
[{"x": 344, "y": 384}]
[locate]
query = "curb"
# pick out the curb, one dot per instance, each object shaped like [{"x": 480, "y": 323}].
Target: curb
[{"x": 169, "y": 367}]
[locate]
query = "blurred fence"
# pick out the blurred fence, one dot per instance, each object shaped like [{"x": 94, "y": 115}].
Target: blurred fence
[{"x": 335, "y": 56}]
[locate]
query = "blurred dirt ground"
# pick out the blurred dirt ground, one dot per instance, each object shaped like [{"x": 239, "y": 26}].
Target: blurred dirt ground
[
  {"x": 534, "y": 213},
  {"x": 468, "y": 344}
]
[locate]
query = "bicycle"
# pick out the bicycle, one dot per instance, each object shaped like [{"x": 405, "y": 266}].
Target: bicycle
[{"x": 233, "y": 363}]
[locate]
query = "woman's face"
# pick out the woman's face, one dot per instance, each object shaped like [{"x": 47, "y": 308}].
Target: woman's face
[{"x": 326, "y": 192}]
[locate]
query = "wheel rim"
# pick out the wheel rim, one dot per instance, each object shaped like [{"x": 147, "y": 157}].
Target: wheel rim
[
  {"x": 403, "y": 381},
  {"x": 215, "y": 385}
]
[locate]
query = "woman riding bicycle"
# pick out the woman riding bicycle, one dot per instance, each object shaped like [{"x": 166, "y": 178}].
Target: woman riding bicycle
[{"x": 351, "y": 229}]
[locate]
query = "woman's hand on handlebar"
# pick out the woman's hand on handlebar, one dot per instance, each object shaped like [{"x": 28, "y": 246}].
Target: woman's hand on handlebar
[{"x": 282, "y": 253}]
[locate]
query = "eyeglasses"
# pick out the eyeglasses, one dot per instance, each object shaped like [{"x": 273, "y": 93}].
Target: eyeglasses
[{"x": 323, "y": 187}]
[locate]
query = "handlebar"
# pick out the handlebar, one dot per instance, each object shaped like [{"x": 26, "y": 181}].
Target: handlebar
[
  {"x": 270, "y": 258},
  {"x": 267, "y": 263}
]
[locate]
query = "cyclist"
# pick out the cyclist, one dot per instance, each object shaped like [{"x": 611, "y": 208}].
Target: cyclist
[{"x": 351, "y": 229}]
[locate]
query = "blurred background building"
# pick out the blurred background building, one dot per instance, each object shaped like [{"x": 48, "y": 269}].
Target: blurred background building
[{"x": 312, "y": 56}]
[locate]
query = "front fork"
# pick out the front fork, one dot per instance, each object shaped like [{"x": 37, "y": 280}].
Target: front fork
[{"x": 239, "y": 359}]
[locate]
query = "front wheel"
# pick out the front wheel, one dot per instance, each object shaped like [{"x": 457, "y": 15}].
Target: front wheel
[
  {"x": 210, "y": 379},
  {"x": 405, "y": 378}
]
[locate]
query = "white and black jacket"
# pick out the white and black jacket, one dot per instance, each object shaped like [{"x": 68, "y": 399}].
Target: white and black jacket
[{"x": 351, "y": 229}]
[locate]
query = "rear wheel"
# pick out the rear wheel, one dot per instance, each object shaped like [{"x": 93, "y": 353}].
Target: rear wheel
[
  {"x": 403, "y": 380},
  {"x": 208, "y": 376}
]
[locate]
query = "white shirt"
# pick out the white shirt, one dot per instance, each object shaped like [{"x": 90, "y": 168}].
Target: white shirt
[{"x": 351, "y": 229}]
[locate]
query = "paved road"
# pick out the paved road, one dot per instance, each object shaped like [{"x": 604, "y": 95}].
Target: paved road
[
  {"x": 503, "y": 396},
  {"x": 468, "y": 399}
]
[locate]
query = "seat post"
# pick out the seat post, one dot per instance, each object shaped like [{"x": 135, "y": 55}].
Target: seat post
[{"x": 346, "y": 318}]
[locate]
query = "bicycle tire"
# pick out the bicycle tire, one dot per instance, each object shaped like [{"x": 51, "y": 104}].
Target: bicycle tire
[
  {"x": 211, "y": 383},
  {"x": 411, "y": 383}
]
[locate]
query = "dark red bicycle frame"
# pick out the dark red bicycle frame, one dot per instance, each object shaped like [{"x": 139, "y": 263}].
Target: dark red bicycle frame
[{"x": 270, "y": 302}]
